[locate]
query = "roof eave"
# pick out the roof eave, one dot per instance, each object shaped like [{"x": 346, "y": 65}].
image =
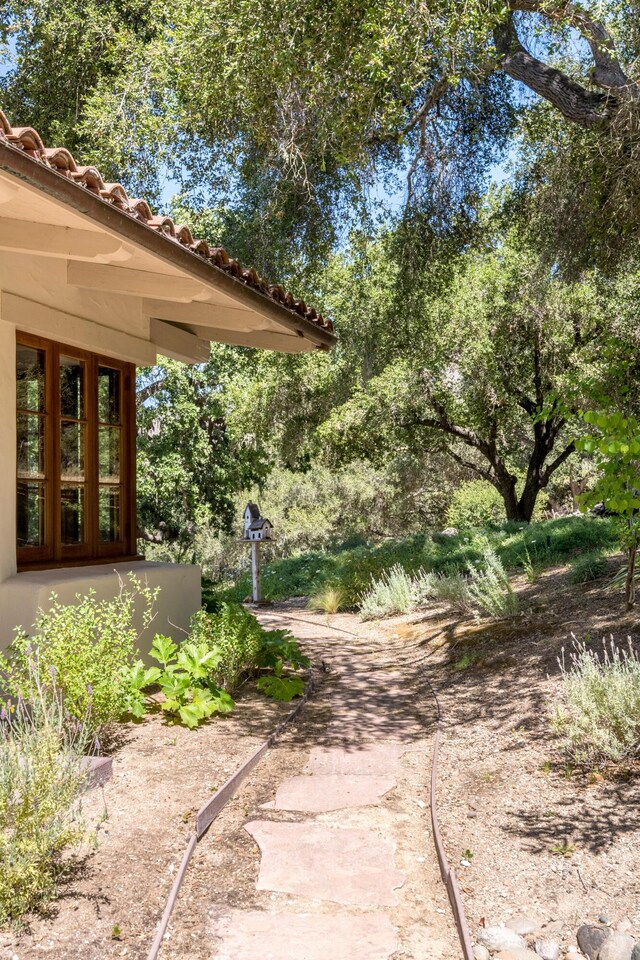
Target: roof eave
[{"x": 60, "y": 188}]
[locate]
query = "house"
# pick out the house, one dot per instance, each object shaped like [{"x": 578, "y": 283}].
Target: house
[{"x": 92, "y": 283}]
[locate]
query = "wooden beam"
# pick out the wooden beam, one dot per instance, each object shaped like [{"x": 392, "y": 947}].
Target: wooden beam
[
  {"x": 174, "y": 342},
  {"x": 134, "y": 283},
  {"x": 205, "y": 315},
  {"x": 264, "y": 339},
  {"x": 32, "y": 317},
  {"x": 49, "y": 240}
]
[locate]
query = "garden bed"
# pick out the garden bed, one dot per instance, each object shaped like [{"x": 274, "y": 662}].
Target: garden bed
[
  {"x": 549, "y": 842},
  {"x": 115, "y": 890}
]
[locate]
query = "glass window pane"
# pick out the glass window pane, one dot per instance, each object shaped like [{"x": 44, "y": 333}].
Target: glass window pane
[
  {"x": 72, "y": 514},
  {"x": 71, "y": 450},
  {"x": 30, "y": 378},
  {"x": 109, "y": 453},
  {"x": 30, "y": 514},
  {"x": 30, "y": 432},
  {"x": 109, "y": 514},
  {"x": 108, "y": 395},
  {"x": 71, "y": 388}
]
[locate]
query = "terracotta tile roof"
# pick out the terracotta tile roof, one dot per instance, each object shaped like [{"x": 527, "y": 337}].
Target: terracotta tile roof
[{"x": 89, "y": 178}]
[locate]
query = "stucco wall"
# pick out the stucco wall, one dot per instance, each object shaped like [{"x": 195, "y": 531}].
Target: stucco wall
[{"x": 180, "y": 594}]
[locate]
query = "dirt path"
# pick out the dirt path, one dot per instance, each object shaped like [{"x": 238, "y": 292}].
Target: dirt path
[{"x": 327, "y": 850}]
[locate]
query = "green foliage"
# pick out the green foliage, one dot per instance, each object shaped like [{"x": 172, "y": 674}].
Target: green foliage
[
  {"x": 85, "y": 650},
  {"x": 475, "y": 504},
  {"x": 597, "y": 713},
  {"x": 281, "y": 688},
  {"x": 396, "y": 592},
  {"x": 236, "y": 634},
  {"x": 186, "y": 679},
  {"x": 589, "y": 566},
  {"x": 42, "y": 778},
  {"x": 547, "y": 543},
  {"x": 190, "y": 463},
  {"x": 279, "y": 649},
  {"x": 617, "y": 446},
  {"x": 198, "y": 677}
]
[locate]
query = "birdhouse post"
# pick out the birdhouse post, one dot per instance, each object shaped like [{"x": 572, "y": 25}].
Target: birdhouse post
[
  {"x": 255, "y": 571},
  {"x": 257, "y": 529}
]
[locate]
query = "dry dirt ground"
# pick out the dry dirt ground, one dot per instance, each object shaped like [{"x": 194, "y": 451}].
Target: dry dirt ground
[
  {"x": 558, "y": 845},
  {"x": 547, "y": 842}
]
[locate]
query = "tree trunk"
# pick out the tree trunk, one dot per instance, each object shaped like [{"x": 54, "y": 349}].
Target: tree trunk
[{"x": 630, "y": 585}]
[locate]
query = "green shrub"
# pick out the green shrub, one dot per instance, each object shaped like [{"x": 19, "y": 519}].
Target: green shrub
[
  {"x": 41, "y": 780},
  {"x": 475, "y": 504},
  {"x": 198, "y": 677},
  {"x": 236, "y": 635},
  {"x": 329, "y": 598},
  {"x": 590, "y": 566},
  {"x": 396, "y": 592},
  {"x": 84, "y": 648},
  {"x": 597, "y": 713}
]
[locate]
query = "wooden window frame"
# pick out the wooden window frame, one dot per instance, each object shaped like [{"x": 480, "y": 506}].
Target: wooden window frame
[{"x": 54, "y": 553}]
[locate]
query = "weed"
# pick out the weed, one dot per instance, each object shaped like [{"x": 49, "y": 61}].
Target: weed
[
  {"x": 489, "y": 588},
  {"x": 546, "y": 768},
  {"x": 563, "y": 849}
]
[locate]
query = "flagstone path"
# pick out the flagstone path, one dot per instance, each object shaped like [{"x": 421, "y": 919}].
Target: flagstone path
[{"x": 347, "y": 869}]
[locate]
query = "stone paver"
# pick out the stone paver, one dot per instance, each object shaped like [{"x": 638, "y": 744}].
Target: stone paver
[
  {"x": 333, "y": 791},
  {"x": 360, "y": 759},
  {"x": 259, "y": 935},
  {"x": 341, "y": 865}
]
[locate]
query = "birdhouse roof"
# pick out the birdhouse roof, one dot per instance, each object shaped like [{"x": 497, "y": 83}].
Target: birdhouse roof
[
  {"x": 259, "y": 524},
  {"x": 254, "y": 510}
]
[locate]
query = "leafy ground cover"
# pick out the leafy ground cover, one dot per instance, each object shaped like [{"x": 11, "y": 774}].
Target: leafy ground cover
[{"x": 518, "y": 546}]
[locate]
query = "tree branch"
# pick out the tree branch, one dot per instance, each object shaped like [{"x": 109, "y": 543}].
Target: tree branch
[
  {"x": 607, "y": 72},
  {"x": 553, "y": 466},
  {"x": 584, "y": 107}
]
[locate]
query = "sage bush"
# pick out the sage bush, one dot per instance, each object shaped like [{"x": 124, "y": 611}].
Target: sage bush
[
  {"x": 597, "y": 713},
  {"x": 396, "y": 592},
  {"x": 42, "y": 778}
]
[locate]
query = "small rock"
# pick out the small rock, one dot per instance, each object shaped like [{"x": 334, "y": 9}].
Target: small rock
[
  {"x": 603, "y": 918},
  {"x": 500, "y": 938},
  {"x": 517, "y": 953},
  {"x": 619, "y": 946},
  {"x": 523, "y": 925},
  {"x": 623, "y": 925},
  {"x": 465, "y": 863},
  {"x": 480, "y": 952},
  {"x": 548, "y": 949},
  {"x": 449, "y": 532},
  {"x": 591, "y": 938}
]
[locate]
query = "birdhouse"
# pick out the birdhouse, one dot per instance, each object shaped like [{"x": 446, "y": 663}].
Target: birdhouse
[{"x": 256, "y": 528}]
